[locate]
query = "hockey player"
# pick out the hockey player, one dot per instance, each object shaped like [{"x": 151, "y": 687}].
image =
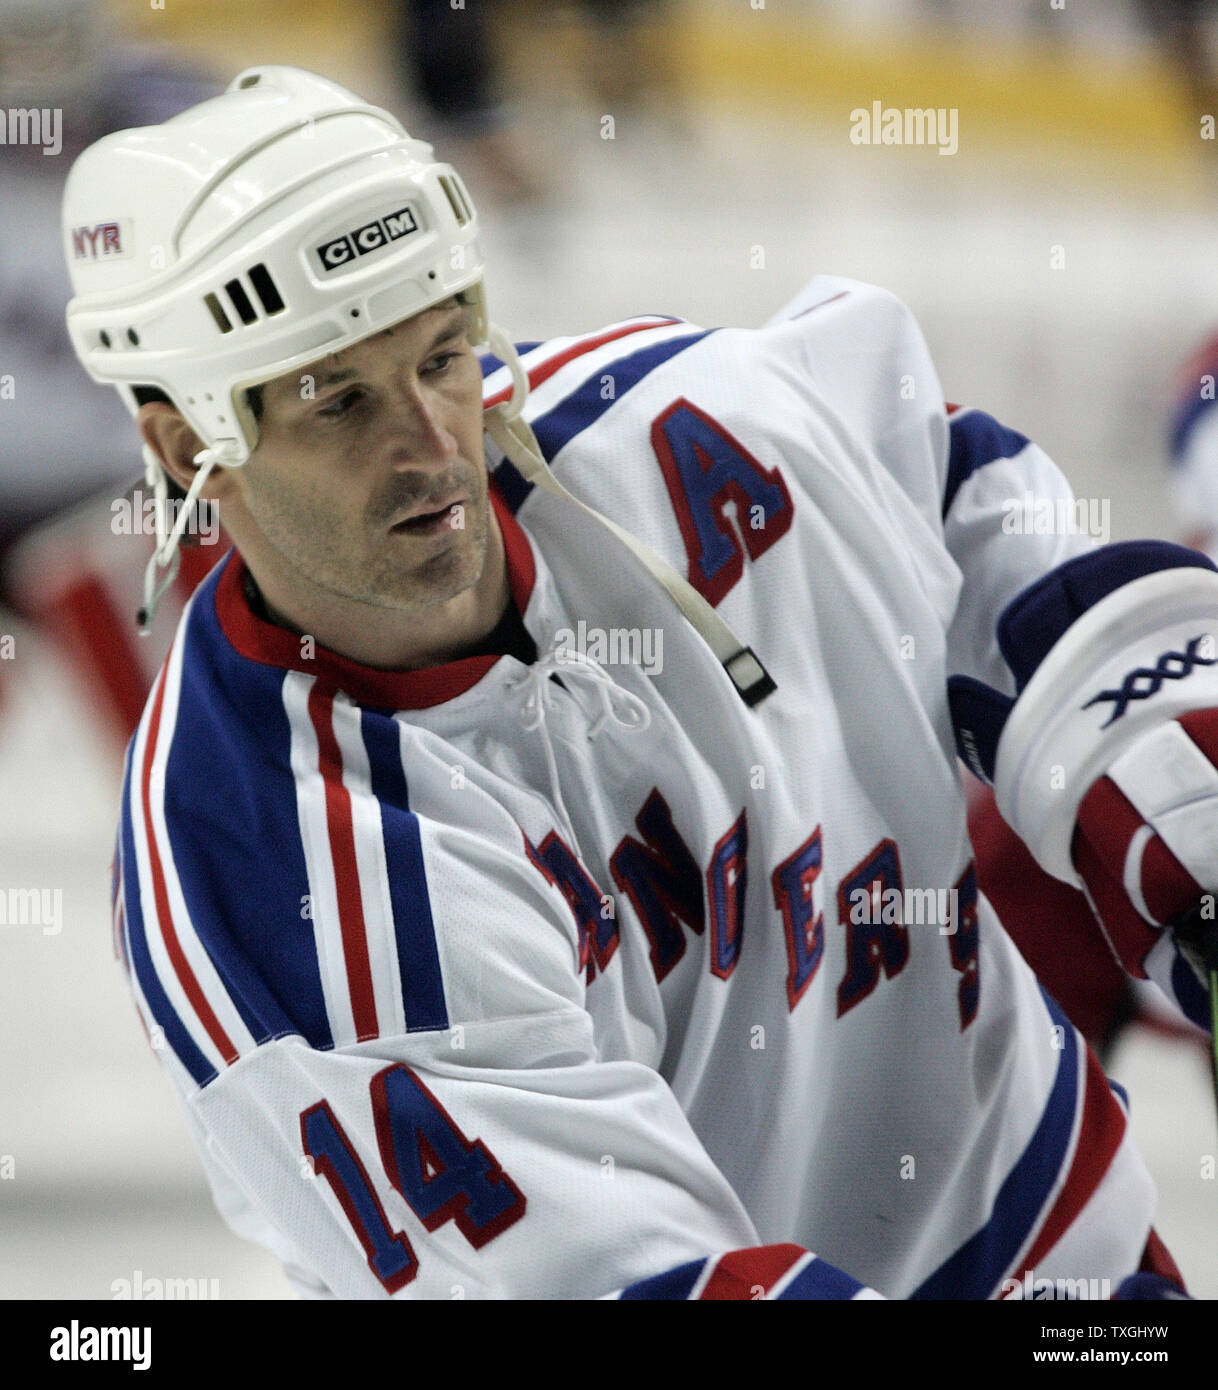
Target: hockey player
[{"x": 518, "y": 917}]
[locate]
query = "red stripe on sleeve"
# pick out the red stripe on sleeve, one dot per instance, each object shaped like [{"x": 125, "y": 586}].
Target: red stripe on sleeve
[
  {"x": 545, "y": 370},
  {"x": 346, "y": 874},
  {"x": 181, "y": 966},
  {"x": 1100, "y": 1135},
  {"x": 740, "y": 1274}
]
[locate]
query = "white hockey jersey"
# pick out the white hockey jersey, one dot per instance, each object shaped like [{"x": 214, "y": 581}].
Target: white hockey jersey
[{"x": 554, "y": 979}]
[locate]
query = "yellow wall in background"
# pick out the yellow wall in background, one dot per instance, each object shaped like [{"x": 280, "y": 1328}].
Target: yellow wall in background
[
  {"x": 1121, "y": 110},
  {"x": 1018, "y": 91}
]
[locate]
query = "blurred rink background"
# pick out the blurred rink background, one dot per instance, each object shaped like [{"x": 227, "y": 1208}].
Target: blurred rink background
[{"x": 1063, "y": 264}]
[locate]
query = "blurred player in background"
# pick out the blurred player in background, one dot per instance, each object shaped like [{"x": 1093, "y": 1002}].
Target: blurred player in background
[
  {"x": 1184, "y": 31},
  {"x": 449, "y": 58},
  {"x": 68, "y": 562},
  {"x": 448, "y": 61},
  {"x": 1193, "y": 449}
]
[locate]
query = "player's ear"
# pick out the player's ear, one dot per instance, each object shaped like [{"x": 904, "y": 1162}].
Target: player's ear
[{"x": 167, "y": 434}]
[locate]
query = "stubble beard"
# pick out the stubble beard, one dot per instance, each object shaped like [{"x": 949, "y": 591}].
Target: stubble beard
[{"x": 384, "y": 577}]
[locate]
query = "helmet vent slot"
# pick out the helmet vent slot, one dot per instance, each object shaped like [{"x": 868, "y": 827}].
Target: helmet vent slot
[
  {"x": 266, "y": 289},
  {"x": 241, "y": 302},
  {"x": 456, "y": 200},
  {"x": 217, "y": 313}
]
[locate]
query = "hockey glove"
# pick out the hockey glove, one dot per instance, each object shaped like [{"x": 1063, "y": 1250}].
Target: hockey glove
[{"x": 1104, "y": 764}]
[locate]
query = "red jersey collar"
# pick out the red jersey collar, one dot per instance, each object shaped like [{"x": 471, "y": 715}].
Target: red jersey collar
[{"x": 257, "y": 640}]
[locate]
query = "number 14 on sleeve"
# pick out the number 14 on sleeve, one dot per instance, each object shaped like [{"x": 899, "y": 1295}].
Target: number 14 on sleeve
[{"x": 442, "y": 1175}]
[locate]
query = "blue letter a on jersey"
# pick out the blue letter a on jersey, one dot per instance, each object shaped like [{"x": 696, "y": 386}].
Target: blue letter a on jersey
[{"x": 705, "y": 468}]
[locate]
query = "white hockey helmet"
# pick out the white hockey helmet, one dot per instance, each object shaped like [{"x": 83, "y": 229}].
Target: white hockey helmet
[{"x": 253, "y": 234}]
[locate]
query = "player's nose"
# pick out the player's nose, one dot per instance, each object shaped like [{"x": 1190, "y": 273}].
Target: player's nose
[{"x": 420, "y": 431}]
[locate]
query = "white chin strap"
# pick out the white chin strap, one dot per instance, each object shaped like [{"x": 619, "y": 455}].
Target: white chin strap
[
  {"x": 166, "y": 556},
  {"x": 505, "y": 350},
  {"x": 512, "y": 433}
]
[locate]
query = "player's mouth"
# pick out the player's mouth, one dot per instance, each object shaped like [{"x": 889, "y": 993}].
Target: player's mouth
[{"x": 431, "y": 522}]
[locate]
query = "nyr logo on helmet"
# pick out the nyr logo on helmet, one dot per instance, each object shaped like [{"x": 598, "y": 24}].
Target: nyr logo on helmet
[
  {"x": 359, "y": 241},
  {"x": 104, "y": 242}
]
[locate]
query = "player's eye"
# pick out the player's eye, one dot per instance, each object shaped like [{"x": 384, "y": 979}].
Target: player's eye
[
  {"x": 439, "y": 364},
  {"x": 341, "y": 405}
]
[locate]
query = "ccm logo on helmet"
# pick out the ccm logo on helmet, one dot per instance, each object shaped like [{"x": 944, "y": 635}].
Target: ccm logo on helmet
[{"x": 371, "y": 237}]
